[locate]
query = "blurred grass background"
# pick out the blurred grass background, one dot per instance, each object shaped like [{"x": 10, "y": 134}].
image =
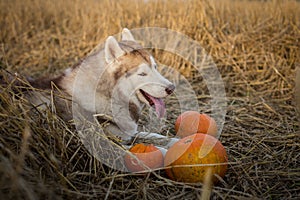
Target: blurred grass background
[{"x": 255, "y": 45}]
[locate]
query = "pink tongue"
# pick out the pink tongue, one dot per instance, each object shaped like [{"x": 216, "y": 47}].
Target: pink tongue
[{"x": 159, "y": 106}]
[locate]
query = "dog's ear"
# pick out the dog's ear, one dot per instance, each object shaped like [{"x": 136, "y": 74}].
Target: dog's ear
[
  {"x": 126, "y": 35},
  {"x": 112, "y": 49}
]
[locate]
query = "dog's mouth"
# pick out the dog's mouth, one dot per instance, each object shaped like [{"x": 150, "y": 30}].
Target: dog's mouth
[{"x": 155, "y": 102}]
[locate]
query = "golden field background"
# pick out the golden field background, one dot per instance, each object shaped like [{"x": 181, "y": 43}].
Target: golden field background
[{"x": 255, "y": 45}]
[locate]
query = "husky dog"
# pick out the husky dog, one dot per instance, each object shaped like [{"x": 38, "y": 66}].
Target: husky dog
[{"x": 118, "y": 81}]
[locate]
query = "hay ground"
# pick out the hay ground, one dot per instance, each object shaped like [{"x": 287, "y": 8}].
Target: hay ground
[{"x": 256, "y": 46}]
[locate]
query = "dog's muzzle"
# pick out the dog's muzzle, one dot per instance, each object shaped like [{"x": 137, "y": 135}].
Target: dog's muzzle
[{"x": 170, "y": 89}]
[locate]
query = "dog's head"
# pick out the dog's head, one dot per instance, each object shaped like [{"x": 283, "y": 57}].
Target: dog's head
[{"x": 135, "y": 70}]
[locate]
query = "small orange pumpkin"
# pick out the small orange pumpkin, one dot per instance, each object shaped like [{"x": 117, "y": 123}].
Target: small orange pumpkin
[
  {"x": 143, "y": 157},
  {"x": 191, "y": 157},
  {"x": 191, "y": 122}
]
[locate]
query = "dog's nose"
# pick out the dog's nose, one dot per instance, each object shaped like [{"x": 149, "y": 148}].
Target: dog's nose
[{"x": 170, "y": 89}]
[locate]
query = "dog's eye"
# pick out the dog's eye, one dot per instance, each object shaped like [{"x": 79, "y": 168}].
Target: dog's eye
[{"x": 142, "y": 74}]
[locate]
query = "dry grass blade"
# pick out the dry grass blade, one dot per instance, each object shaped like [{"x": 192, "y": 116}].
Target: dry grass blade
[
  {"x": 207, "y": 185},
  {"x": 297, "y": 90}
]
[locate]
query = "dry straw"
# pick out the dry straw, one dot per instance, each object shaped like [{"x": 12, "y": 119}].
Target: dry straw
[{"x": 255, "y": 44}]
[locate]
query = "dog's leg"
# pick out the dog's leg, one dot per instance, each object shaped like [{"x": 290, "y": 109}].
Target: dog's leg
[
  {"x": 162, "y": 142},
  {"x": 156, "y": 139},
  {"x": 163, "y": 150}
]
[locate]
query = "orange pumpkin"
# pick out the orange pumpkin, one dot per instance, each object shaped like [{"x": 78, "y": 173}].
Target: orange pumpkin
[
  {"x": 189, "y": 158},
  {"x": 143, "y": 157},
  {"x": 191, "y": 122}
]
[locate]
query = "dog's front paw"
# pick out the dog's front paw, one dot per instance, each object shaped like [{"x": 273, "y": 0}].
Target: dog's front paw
[{"x": 163, "y": 150}]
